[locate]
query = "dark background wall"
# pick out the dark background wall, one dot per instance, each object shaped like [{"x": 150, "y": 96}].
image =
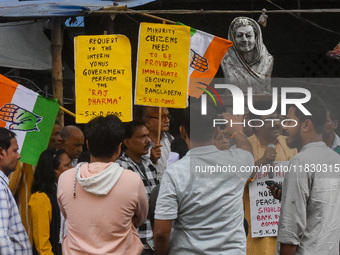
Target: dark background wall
[{"x": 297, "y": 42}]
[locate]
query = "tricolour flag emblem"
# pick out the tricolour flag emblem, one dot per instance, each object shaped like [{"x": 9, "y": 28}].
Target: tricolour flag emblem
[
  {"x": 29, "y": 115},
  {"x": 206, "y": 54}
]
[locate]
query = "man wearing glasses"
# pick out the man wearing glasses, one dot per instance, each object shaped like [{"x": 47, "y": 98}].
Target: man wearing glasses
[{"x": 158, "y": 152}]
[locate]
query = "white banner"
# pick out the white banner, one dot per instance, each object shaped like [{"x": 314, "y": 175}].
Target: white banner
[{"x": 264, "y": 208}]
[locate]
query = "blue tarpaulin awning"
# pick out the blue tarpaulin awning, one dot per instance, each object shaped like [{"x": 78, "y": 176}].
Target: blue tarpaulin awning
[
  {"x": 55, "y": 8},
  {"x": 24, "y": 45}
]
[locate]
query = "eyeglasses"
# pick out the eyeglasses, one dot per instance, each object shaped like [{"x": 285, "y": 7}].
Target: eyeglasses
[{"x": 163, "y": 117}]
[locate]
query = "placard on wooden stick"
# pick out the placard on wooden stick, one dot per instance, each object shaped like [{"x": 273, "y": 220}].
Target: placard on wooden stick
[
  {"x": 103, "y": 77},
  {"x": 162, "y": 65}
]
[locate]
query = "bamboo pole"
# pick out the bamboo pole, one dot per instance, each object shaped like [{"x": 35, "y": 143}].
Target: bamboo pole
[
  {"x": 67, "y": 111},
  {"x": 159, "y": 125},
  {"x": 199, "y": 12},
  {"x": 57, "y": 65},
  {"x": 157, "y": 18},
  {"x": 160, "y": 121}
]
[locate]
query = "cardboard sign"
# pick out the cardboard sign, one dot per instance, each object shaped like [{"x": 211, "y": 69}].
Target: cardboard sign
[
  {"x": 264, "y": 208},
  {"x": 162, "y": 65},
  {"x": 103, "y": 77}
]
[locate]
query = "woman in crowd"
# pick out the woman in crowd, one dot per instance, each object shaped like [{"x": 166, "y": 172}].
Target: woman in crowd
[{"x": 44, "y": 213}]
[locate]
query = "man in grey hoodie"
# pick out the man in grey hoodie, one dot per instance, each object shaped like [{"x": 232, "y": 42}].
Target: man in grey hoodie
[{"x": 102, "y": 202}]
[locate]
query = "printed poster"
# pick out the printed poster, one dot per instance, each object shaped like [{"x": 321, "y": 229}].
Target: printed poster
[{"x": 264, "y": 208}]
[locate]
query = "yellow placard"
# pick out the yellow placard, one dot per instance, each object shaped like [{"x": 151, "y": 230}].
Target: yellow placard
[
  {"x": 162, "y": 65},
  {"x": 103, "y": 77}
]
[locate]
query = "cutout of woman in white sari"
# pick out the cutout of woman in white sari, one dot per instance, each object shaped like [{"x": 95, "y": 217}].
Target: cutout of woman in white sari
[{"x": 247, "y": 63}]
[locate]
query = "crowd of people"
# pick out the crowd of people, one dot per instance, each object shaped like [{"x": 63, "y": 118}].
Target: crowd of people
[{"x": 135, "y": 189}]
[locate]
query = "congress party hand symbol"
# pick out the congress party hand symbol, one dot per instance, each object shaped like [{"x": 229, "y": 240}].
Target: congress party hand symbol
[
  {"x": 198, "y": 62},
  {"x": 20, "y": 118}
]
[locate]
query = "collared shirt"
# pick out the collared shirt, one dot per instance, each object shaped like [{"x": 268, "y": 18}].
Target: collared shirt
[
  {"x": 148, "y": 174},
  {"x": 13, "y": 236},
  {"x": 310, "y": 205},
  {"x": 165, "y": 153},
  {"x": 206, "y": 207},
  {"x": 336, "y": 142},
  {"x": 20, "y": 184}
]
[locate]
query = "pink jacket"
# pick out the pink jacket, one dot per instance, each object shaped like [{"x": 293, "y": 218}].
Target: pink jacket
[{"x": 102, "y": 210}]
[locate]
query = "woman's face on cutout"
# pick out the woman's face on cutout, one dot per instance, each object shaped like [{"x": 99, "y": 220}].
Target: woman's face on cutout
[{"x": 245, "y": 38}]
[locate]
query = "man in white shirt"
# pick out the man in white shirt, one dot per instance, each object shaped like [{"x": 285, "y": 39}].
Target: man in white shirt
[
  {"x": 310, "y": 207},
  {"x": 201, "y": 212}
]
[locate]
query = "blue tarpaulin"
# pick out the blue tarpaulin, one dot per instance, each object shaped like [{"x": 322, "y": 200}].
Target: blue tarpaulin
[
  {"x": 55, "y": 8},
  {"x": 23, "y": 43}
]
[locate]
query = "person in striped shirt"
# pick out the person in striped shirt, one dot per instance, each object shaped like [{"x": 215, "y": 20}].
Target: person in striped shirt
[
  {"x": 136, "y": 145},
  {"x": 13, "y": 236}
]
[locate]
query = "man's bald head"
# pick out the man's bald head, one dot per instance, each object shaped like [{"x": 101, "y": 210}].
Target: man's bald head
[{"x": 73, "y": 141}]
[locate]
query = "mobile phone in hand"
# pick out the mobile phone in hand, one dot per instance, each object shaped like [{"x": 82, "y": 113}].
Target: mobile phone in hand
[
  {"x": 151, "y": 244},
  {"x": 276, "y": 185}
]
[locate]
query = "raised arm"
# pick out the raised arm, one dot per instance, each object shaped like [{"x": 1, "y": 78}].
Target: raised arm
[{"x": 235, "y": 131}]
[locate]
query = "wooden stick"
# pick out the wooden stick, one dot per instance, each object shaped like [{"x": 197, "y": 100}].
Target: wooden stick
[
  {"x": 57, "y": 66},
  {"x": 160, "y": 116},
  {"x": 158, "y": 18},
  {"x": 159, "y": 125},
  {"x": 67, "y": 111},
  {"x": 211, "y": 12}
]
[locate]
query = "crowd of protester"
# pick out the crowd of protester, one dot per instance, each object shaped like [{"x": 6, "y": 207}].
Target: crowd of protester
[{"x": 130, "y": 188}]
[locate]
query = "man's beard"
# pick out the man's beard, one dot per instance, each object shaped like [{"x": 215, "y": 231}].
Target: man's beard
[
  {"x": 326, "y": 135},
  {"x": 7, "y": 170},
  {"x": 296, "y": 140}
]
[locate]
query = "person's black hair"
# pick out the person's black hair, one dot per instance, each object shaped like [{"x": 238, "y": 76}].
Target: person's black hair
[
  {"x": 333, "y": 113},
  {"x": 45, "y": 177},
  {"x": 198, "y": 127},
  {"x": 179, "y": 146},
  {"x": 5, "y": 138},
  {"x": 104, "y": 134},
  {"x": 130, "y": 128},
  {"x": 84, "y": 157},
  {"x": 318, "y": 109},
  {"x": 185, "y": 120},
  {"x": 139, "y": 112}
]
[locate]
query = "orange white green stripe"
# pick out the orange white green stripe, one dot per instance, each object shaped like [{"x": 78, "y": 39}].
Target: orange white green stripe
[
  {"x": 206, "y": 54},
  {"x": 29, "y": 115}
]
